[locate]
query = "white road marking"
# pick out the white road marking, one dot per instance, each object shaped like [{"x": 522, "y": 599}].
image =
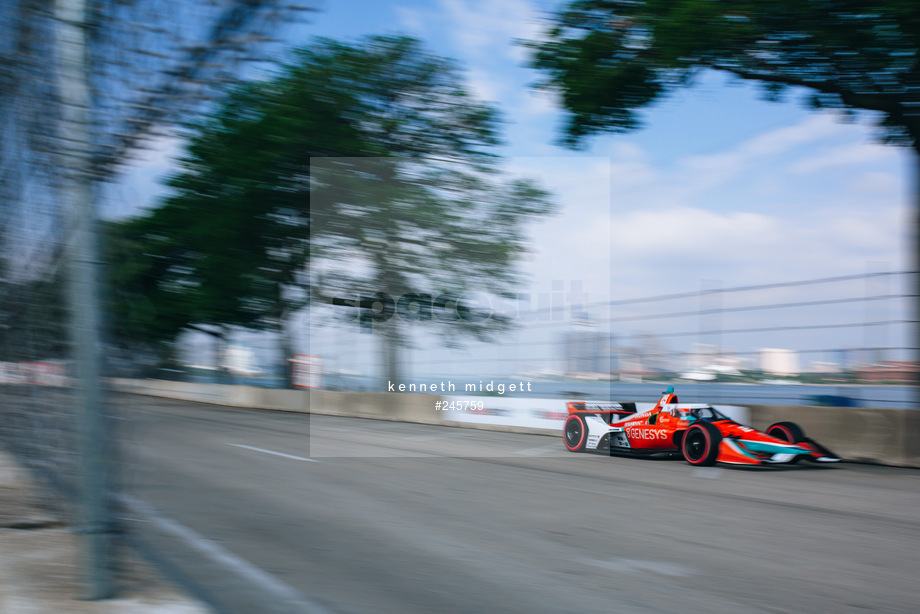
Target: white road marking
[
  {"x": 281, "y": 454},
  {"x": 439, "y": 436},
  {"x": 540, "y": 450},
  {"x": 635, "y": 565},
  {"x": 279, "y": 591},
  {"x": 707, "y": 472}
]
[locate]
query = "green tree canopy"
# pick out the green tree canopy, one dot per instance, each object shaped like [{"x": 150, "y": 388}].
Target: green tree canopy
[
  {"x": 609, "y": 58},
  {"x": 410, "y": 196}
]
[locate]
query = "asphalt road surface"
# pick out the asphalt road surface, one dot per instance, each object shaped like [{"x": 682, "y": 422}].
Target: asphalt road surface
[{"x": 276, "y": 512}]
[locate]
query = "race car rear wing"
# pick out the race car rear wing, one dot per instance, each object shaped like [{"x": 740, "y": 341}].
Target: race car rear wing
[{"x": 609, "y": 409}]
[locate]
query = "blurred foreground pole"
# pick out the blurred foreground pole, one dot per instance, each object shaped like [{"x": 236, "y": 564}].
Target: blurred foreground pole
[
  {"x": 914, "y": 269},
  {"x": 83, "y": 288}
]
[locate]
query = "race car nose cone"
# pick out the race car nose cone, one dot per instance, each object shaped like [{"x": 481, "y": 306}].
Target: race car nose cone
[{"x": 781, "y": 458}]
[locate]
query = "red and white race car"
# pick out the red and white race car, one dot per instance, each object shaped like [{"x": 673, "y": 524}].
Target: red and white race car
[{"x": 696, "y": 431}]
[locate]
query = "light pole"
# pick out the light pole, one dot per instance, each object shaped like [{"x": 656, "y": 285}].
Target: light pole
[{"x": 83, "y": 291}]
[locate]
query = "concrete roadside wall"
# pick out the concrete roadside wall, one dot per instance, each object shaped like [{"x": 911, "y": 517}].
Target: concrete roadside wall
[
  {"x": 402, "y": 407},
  {"x": 394, "y": 406},
  {"x": 886, "y": 436},
  {"x": 250, "y": 397},
  {"x": 398, "y": 406},
  {"x": 187, "y": 391}
]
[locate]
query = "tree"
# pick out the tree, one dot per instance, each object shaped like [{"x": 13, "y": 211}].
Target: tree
[
  {"x": 609, "y": 58},
  {"x": 371, "y": 154},
  {"x": 145, "y": 316},
  {"x": 432, "y": 218}
]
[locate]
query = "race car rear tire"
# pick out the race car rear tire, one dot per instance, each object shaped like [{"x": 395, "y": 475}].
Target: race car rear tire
[
  {"x": 700, "y": 444},
  {"x": 575, "y": 433},
  {"x": 790, "y": 432}
]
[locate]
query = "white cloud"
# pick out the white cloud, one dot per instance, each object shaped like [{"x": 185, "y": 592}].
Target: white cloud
[
  {"x": 855, "y": 154},
  {"x": 874, "y": 231},
  {"x": 706, "y": 171},
  {"x": 679, "y": 246},
  {"x": 410, "y": 19},
  {"x": 539, "y": 103},
  {"x": 630, "y": 175},
  {"x": 629, "y": 167},
  {"x": 483, "y": 86},
  {"x": 877, "y": 183},
  {"x": 622, "y": 149},
  {"x": 667, "y": 228},
  {"x": 782, "y": 140},
  {"x": 575, "y": 243},
  {"x": 688, "y": 235},
  {"x": 483, "y": 26},
  {"x": 665, "y": 233},
  {"x": 672, "y": 227}
]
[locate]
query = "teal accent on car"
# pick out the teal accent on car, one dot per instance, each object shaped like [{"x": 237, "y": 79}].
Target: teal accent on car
[
  {"x": 740, "y": 450},
  {"x": 772, "y": 448}
]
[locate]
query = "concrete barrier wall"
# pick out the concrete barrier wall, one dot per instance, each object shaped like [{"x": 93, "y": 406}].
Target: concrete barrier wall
[
  {"x": 233, "y": 396},
  {"x": 887, "y": 436},
  {"x": 399, "y": 406},
  {"x": 187, "y": 391}
]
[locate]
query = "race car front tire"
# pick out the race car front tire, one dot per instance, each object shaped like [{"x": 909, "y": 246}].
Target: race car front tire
[
  {"x": 700, "y": 444},
  {"x": 575, "y": 433},
  {"x": 790, "y": 432}
]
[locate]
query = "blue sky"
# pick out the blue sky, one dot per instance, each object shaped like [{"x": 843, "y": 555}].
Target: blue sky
[{"x": 718, "y": 185}]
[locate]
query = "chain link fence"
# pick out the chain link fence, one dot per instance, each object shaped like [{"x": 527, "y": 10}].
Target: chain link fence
[
  {"x": 84, "y": 85},
  {"x": 824, "y": 341}
]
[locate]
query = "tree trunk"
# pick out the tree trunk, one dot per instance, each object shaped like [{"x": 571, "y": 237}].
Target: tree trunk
[
  {"x": 286, "y": 348},
  {"x": 167, "y": 358},
  {"x": 390, "y": 354},
  {"x": 223, "y": 374}
]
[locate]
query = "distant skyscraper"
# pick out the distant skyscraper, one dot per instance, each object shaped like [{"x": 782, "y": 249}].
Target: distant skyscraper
[
  {"x": 588, "y": 351},
  {"x": 777, "y": 361}
]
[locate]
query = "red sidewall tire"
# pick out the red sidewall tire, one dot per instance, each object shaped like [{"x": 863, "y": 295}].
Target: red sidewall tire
[
  {"x": 790, "y": 432},
  {"x": 710, "y": 438},
  {"x": 572, "y": 442}
]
